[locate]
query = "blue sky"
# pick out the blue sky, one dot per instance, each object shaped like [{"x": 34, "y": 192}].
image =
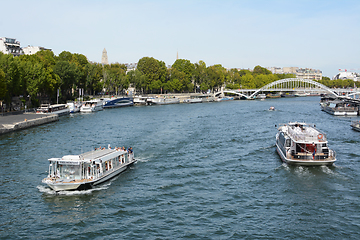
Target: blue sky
[{"x": 320, "y": 34}]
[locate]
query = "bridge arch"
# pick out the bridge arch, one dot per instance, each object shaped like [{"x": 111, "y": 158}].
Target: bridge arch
[
  {"x": 286, "y": 80},
  {"x": 231, "y": 92},
  {"x": 352, "y": 94}
]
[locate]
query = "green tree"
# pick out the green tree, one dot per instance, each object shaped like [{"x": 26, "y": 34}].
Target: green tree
[
  {"x": 65, "y": 56},
  {"x": 260, "y": 70},
  {"x": 115, "y": 79},
  {"x": 81, "y": 62},
  {"x": 46, "y": 57},
  {"x": 247, "y": 81},
  {"x": 69, "y": 75},
  {"x": 3, "y": 89},
  {"x": 94, "y": 74},
  {"x": 137, "y": 79},
  {"x": 154, "y": 71},
  {"x": 187, "y": 69},
  {"x": 11, "y": 68},
  {"x": 216, "y": 76},
  {"x": 200, "y": 75}
]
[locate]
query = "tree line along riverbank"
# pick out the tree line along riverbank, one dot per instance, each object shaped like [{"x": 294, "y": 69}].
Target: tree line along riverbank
[{"x": 45, "y": 77}]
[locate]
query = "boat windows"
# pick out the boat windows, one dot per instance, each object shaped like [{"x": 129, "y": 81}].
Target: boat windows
[
  {"x": 282, "y": 139},
  {"x": 298, "y": 147},
  {"x": 71, "y": 172},
  {"x": 288, "y": 143}
]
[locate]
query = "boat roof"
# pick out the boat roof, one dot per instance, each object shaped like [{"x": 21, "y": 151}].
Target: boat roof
[
  {"x": 93, "y": 101},
  {"x": 336, "y": 101},
  {"x": 56, "y": 105},
  {"x": 303, "y": 132},
  {"x": 96, "y": 156}
]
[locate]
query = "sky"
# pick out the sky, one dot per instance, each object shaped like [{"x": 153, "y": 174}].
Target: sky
[{"x": 318, "y": 34}]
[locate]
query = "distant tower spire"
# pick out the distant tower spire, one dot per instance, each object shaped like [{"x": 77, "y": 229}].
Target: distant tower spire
[
  {"x": 104, "y": 58},
  {"x": 177, "y": 55}
]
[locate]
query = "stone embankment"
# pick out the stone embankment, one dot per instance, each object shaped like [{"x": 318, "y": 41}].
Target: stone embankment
[{"x": 12, "y": 123}]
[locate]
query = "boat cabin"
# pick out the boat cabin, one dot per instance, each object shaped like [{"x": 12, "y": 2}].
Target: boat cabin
[{"x": 91, "y": 165}]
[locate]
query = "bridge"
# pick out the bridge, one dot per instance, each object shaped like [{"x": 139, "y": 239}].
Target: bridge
[{"x": 290, "y": 85}]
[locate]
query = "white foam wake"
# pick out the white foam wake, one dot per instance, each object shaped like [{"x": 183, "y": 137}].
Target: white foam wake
[{"x": 49, "y": 191}]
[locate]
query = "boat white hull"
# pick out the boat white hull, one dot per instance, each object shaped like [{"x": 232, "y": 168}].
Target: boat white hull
[
  {"x": 193, "y": 100},
  {"x": 139, "y": 102},
  {"x": 224, "y": 99},
  {"x": 91, "y": 109},
  {"x": 63, "y": 187},
  {"x": 164, "y": 101},
  {"x": 75, "y": 110},
  {"x": 340, "y": 113}
]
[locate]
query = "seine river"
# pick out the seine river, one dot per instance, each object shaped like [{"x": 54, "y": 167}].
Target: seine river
[{"x": 204, "y": 171}]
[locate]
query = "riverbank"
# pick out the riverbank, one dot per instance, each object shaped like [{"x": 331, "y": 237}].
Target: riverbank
[{"x": 10, "y": 123}]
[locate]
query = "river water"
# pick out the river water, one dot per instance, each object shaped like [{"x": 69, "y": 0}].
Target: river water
[{"x": 204, "y": 171}]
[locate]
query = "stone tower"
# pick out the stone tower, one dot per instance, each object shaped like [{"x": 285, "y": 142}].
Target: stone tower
[{"x": 104, "y": 58}]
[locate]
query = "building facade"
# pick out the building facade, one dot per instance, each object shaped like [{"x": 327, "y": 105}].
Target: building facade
[
  {"x": 10, "y": 46},
  {"x": 305, "y": 73},
  {"x": 32, "y": 50},
  {"x": 347, "y": 75}
]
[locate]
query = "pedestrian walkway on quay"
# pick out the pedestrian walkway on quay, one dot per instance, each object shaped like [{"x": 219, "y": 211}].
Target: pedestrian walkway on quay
[{"x": 10, "y": 123}]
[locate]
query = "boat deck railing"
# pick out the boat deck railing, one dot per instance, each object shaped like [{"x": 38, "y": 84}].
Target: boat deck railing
[
  {"x": 346, "y": 109},
  {"x": 309, "y": 156},
  {"x": 303, "y": 135}
]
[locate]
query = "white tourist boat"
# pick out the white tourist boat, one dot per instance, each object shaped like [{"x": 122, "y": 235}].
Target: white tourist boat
[
  {"x": 301, "y": 94},
  {"x": 193, "y": 100},
  {"x": 140, "y": 100},
  {"x": 83, "y": 171},
  {"x": 74, "y": 107},
  {"x": 302, "y": 144},
  {"x": 339, "y": 108},
  {"x": 261, "y": 96},
  {"x": 92, "y": 106},
  {"x": 163, "y": 100},
  {"x": 207, "y": 98},
  {"x": 59, "y": 109},
  {"x": 355, "y": 125}
]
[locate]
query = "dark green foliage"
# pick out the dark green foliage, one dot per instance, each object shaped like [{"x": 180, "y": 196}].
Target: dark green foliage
[{"x": 40, "y": 75}]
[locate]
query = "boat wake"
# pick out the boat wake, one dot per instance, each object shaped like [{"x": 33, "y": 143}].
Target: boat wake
[
  {"x": 331, "y": 172},
  {"x": 272, "y": 146},
  {"x": 143, "y": 159},
  {"x": 327, "y": 170},
  {"x": 302, "y": 171},
  {"x": 49, "y": 191},
  {"x": 285, "y": 166}
]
